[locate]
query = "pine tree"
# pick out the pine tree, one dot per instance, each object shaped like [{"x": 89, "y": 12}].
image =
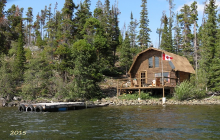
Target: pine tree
[
  {"x": 36, "y": 27},
  {"x": 177, "y": 37},
  {"x": 125, "y": 53},
  {"x": 133, "y": 31},
  {"x": 99, "y": 4},
  {"x": 29, "y": 20},
  {"x": 64, "y": 37},
  {"x": 144, "y": 33},
  {"x": 7, "y": 83},
  {"x": 160, "y": 30},
  {"x": 85, "y": 72},
  {"x": 107, "y": 21},
  {"x": 37, "y": 77},
  {"x": 208, "y": 46},
  {"x": 3, "y": 25},
  {"x": 67, "y": 23},
  {"x": 82, "y": 15},
  {"x": 185, "y": 21},
  {"x": 171, "y": 6},
  {"x": 165, "y": 44},
  {"x": 2, "y": 5},
  {"x": 20, "y": 58},
  {"x": 215, "y": 67},
  {"x": 115, "y": 32},
  {"x": 194, "y": 18},
  {"x": 43, "y": 21},
  {"x": 14, "y": 16}
]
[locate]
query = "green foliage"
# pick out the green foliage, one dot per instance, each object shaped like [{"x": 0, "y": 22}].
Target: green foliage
[
  {"x": 135, "y": 96},
  {"x": 86, "y": 74},
  {"x": 7, "y": 84},
  {"x": 27, "y": 53},
  {"x": 76, "y": 48},
  {"x": 144, "y": 33},
  {"x": 39, "y": 42},
  {"x": 132, "y": 31},
  {"x": 37, "y": 77},
  {"x": 208, "y": 43},
  {"x": 20, "y": 58},
  {"x": 165, "y": 42},
  {"x": 187, "y": 90},
  {"x": 145, "y": 96},
  {"x": 186, "y": 21},
  {"x": 129, "y": 96},
  {"x": 125, "y": 54}
]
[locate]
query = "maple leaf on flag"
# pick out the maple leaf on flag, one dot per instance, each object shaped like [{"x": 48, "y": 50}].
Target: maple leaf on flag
[{"x": 167, "y": 57}]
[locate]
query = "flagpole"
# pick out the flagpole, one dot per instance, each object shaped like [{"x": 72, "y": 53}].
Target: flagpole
[
  {"x": 162, "y": 68},
  {"x": 163, "y": 99},
  {"x": 162, "y": 73}
]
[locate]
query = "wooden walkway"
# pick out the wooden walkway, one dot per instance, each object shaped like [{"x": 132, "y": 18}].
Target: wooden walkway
[{"x": 59, "y": 106}]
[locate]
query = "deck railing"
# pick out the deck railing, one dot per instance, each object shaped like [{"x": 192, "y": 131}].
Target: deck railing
[{"x": 146, "y": 82}]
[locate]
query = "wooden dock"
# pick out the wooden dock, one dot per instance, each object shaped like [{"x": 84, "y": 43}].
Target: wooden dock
[{"x": 59, "y": 106}]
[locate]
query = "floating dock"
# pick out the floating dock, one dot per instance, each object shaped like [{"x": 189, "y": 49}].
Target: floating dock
[{"x": 59, "y": 106}]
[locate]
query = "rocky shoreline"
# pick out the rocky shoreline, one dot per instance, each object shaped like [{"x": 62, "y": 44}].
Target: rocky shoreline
[
  {"x": 114, "y": 101},
  {"x": 117, "y": 102}
]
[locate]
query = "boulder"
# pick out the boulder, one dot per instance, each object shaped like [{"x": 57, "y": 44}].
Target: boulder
[{"x": 17, "y": 98}]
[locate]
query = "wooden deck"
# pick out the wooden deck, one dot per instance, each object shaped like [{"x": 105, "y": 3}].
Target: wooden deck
[
  {"x": 127, "y": 84},
  {"x": 59, "y": 106}
]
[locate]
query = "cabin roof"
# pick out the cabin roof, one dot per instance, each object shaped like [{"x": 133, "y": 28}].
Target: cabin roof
[{"x": 181, "y": 63}]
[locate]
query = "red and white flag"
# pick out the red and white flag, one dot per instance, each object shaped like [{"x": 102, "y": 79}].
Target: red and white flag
[{"x": 167, "y": 57}]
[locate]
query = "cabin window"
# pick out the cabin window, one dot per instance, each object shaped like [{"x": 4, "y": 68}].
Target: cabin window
[
  {"x": 166, "y": 76},
  {"x": 143, "y": 79},
  {"x": 156, "y": 62},
  {"x": 150, "y": 60}
]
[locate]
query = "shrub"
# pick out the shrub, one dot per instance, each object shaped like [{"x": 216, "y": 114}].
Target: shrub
[
  {"x": 129, "y": 96},
  {"x": 186, "y": 90},
  {"x": 144, "y": 96},
  {"x": 135, "y": 96}
]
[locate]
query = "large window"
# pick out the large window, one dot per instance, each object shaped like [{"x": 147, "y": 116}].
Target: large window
[
  {"x": 150, "y": 60},
  {"x": 165, "y": 74},
  {"x": 156, "y": 62}
]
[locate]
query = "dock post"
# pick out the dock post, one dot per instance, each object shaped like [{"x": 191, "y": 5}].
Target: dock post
[
  {"x": 139, "y": 93},
  {"x": 164, "y": 98}
]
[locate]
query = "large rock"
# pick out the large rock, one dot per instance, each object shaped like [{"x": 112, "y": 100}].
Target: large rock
[
  {"x": 3, "y": 102},
  {"x": 17, "y": 98}
]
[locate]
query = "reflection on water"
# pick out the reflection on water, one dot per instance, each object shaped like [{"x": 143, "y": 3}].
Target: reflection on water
[{"x": 124, "y": 122}]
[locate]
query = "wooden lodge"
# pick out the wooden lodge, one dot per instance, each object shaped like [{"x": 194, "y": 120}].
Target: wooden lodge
[{"x": 146, "y": 71}]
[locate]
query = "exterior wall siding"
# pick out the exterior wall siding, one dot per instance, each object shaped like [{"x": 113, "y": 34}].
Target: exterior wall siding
[{"x": 142, "y": 65}]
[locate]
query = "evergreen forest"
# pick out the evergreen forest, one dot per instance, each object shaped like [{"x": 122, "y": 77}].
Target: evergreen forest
[{"x": 65, "y": 54}]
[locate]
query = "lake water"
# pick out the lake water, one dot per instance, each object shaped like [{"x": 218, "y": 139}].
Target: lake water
[{"x": 123, "y": 122}]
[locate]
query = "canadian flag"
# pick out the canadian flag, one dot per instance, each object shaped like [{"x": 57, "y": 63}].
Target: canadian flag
[{"x": 167, "y": 57}]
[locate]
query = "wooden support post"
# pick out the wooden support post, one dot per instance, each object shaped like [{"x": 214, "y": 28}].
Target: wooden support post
[
  {"x": 163, "y": 91},
  {"x": 117, "y": 88},
  {"x": 139, "y": 92}
]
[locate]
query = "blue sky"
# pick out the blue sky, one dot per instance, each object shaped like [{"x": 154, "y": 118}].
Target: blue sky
[{"x": 155, "y": 9}]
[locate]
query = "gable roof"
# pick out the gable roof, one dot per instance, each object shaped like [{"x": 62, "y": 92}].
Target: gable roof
[{"x": 181, "y": 63}]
